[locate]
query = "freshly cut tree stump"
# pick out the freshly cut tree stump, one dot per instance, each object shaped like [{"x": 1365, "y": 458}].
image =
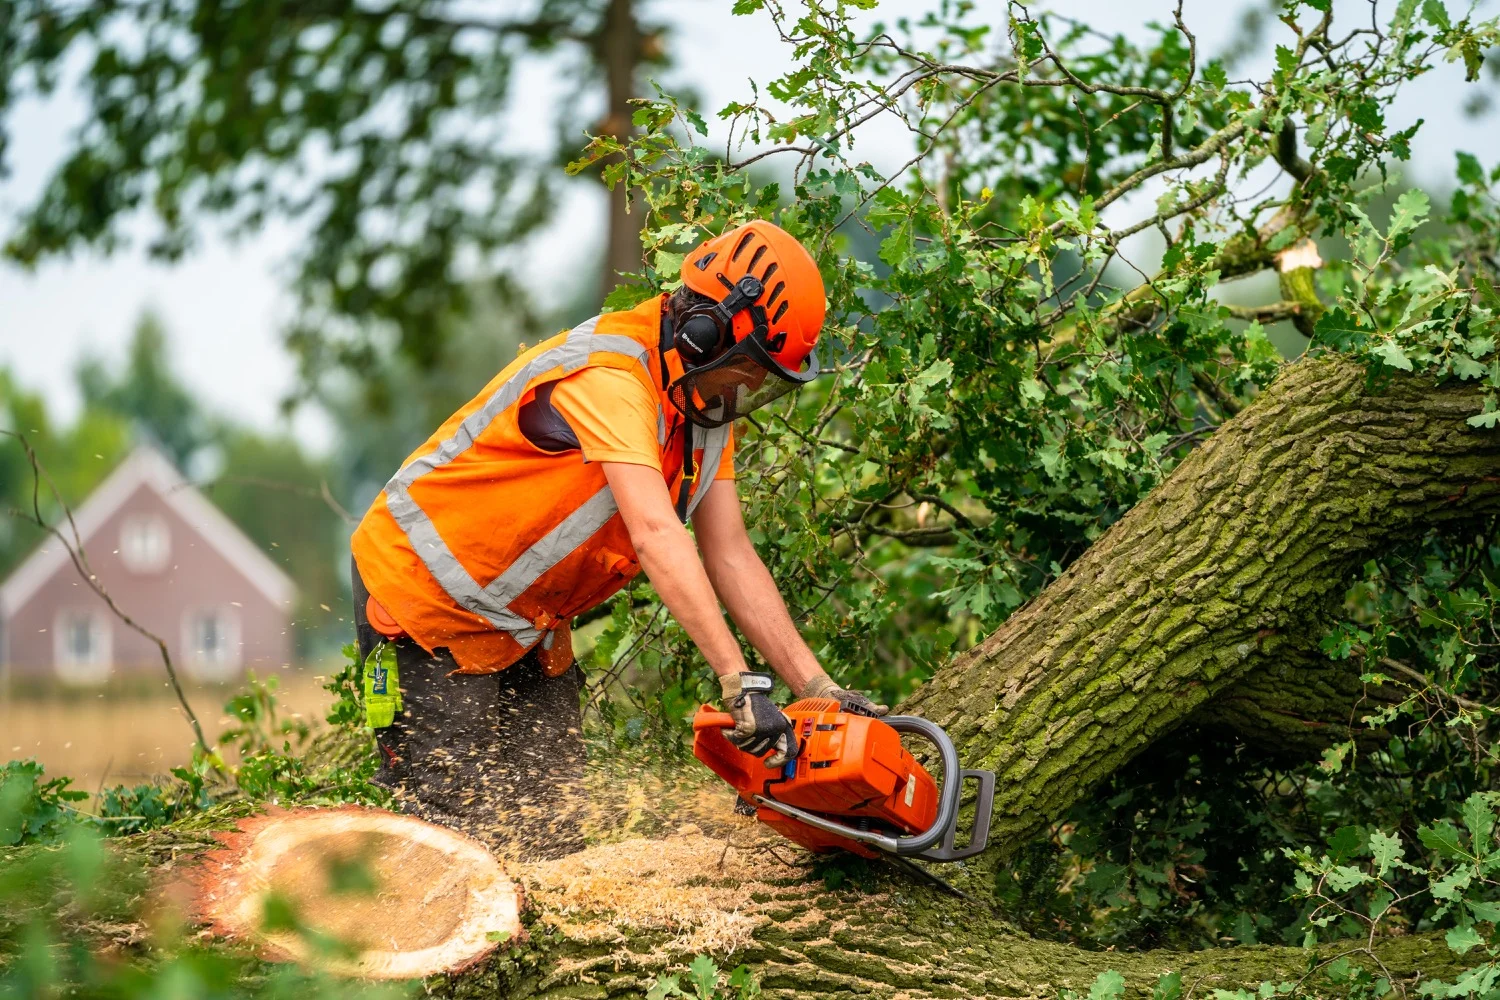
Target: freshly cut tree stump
[{"x": 397, "y": 898}]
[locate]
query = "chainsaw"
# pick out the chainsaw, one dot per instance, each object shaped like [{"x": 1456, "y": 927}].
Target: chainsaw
[{"x": 853, "y": 786}]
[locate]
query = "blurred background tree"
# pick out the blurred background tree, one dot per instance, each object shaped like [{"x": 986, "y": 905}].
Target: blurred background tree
[
  {"x": 380, "y": 129},
  {"x": 146, "y": 394}
]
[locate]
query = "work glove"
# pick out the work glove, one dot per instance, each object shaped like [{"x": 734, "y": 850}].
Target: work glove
[
  {"x": 823, "y": 686},
  {"x": 758, "y": 724}
]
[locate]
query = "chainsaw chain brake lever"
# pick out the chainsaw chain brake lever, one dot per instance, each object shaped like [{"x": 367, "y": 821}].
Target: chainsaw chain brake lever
[{"x": 936, "y": 843}]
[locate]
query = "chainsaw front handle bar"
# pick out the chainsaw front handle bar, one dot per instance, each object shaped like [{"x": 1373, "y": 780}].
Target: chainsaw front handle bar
[
  {"x": 936, "y": 843},
  {"x": 713, "y": 720}
]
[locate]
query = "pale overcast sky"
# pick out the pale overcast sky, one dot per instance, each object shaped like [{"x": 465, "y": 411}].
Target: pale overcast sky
[{"x": 225, "y": 304}]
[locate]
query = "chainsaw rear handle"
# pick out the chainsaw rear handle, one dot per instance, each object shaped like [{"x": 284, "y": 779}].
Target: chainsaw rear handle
[{"x": 942, "y": 832}]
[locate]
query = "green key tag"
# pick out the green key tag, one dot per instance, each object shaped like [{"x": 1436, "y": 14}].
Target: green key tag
[{"x": 382, "y": 686}]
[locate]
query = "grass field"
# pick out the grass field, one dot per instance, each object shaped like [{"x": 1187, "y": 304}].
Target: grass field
[{"x": 113, "y": 737}]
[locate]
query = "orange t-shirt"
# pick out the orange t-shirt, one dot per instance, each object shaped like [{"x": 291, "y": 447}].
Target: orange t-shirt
[{"x": 625, "y": 430}]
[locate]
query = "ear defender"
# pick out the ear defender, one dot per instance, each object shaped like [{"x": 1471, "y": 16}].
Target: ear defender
[
  {"x": 703, "y": 332},
  {"x": 699, "y": 337}
]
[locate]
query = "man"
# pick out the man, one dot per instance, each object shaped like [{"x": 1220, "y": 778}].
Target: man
[{"x": 576, "y": 467}]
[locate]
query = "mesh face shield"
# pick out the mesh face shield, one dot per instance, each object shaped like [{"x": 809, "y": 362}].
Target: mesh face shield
[{"x": 744, "y": 378}]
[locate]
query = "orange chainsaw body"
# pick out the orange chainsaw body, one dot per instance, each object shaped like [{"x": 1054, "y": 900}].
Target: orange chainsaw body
[{"x": 850, "y": 767}]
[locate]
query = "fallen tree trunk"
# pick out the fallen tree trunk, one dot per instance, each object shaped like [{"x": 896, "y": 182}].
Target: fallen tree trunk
[
  {"x": 1226, "y": 571},
  {"x": 608, "y": 921},
  {"x": 613, "y": 918},
  {"x": 1204, "y": 604}
]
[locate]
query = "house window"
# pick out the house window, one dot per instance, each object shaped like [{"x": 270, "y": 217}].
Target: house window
[
  {"x": 145, "y": 544},
  {"x": 211, "y": 643},
  {"x": 81, "y": 646}
]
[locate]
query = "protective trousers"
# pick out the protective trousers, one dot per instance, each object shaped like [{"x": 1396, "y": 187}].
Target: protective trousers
[{"x": 499, "y": 756}]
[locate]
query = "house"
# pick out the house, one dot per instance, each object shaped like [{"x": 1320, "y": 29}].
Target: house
[{"x": 172, "y": 562}]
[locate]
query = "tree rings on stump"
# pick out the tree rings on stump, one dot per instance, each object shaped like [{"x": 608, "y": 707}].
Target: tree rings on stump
[{"x": 359, "y": 892}]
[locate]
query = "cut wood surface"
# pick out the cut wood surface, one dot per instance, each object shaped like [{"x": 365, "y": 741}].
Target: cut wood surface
[{"x": 412, "y": 898}]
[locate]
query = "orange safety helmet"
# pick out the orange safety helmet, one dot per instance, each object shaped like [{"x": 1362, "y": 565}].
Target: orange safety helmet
[
  {"x": 793, "y": 296},
  {"x": 752, "y": 340}
]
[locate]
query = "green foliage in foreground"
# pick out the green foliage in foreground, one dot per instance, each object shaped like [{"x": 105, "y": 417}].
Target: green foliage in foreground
[
  {"x": 73, "y": 922},
  {"x": 1339, "y": 978},
  {"x": 705, "y": 981}
]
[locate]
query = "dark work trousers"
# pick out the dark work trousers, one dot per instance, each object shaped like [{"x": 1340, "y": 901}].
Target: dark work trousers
[{"x": 499, "y": 756}]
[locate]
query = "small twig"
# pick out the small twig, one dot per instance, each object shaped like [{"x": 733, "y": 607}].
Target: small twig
[
  {"x": 1425, "y": 681},
  {"x": 337, "y": 507},
  {"x": 1268, "y": 313},
  {"x": 771, "y": 850},
  {"x": 99, "y": 792},
  {"x": 944, "y": 505}
]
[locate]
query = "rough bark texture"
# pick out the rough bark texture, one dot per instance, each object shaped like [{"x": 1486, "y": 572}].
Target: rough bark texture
[
  {"x": 1299, "y": 707},
  {"x": 609, "y": 921},
  {"x": 1226, "y": 571}
]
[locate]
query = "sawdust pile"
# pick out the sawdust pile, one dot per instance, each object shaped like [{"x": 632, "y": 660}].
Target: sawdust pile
[
  {"x": 619, "y": 797},
  {"x": 666, "y": 852},
  {"x": 691, "y": 886}
]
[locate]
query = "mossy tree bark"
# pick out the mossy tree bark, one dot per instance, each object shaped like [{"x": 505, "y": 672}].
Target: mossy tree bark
[
  {"x": 886, "y": 937},
  {"x": 1219, "y": 579},
  {"x": 1300, "y": 706},
  {"x": 1203, "y": 606}
]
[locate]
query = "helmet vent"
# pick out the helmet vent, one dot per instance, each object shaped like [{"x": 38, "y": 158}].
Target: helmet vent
[
  {"x": 780, "y": 312},
  {"x": 765, "y": 279},
  {"x": 775, "y": 292},
  {"x": 706, "y": 260},
  {"x": 739, "y": 247},
  {"x": 760, "y": 252}
]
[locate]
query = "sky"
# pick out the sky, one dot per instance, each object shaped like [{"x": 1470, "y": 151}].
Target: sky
[{"x": 226, "y": 303}]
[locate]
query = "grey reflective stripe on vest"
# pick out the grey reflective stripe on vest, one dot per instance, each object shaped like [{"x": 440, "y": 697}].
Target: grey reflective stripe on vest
[
  {"x": 491, "y": 602},
  {"x": 575, "y": 529},
  {"x": 713, "y": 449}
]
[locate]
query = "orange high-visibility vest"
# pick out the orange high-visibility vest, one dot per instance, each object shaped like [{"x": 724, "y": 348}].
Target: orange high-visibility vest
[{"x": 483, "y": 542}]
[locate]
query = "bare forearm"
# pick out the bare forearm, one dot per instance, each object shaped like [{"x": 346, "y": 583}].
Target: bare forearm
[
  {"x": 748, "y": 591},
  {"x": 671, "y": 563}
]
